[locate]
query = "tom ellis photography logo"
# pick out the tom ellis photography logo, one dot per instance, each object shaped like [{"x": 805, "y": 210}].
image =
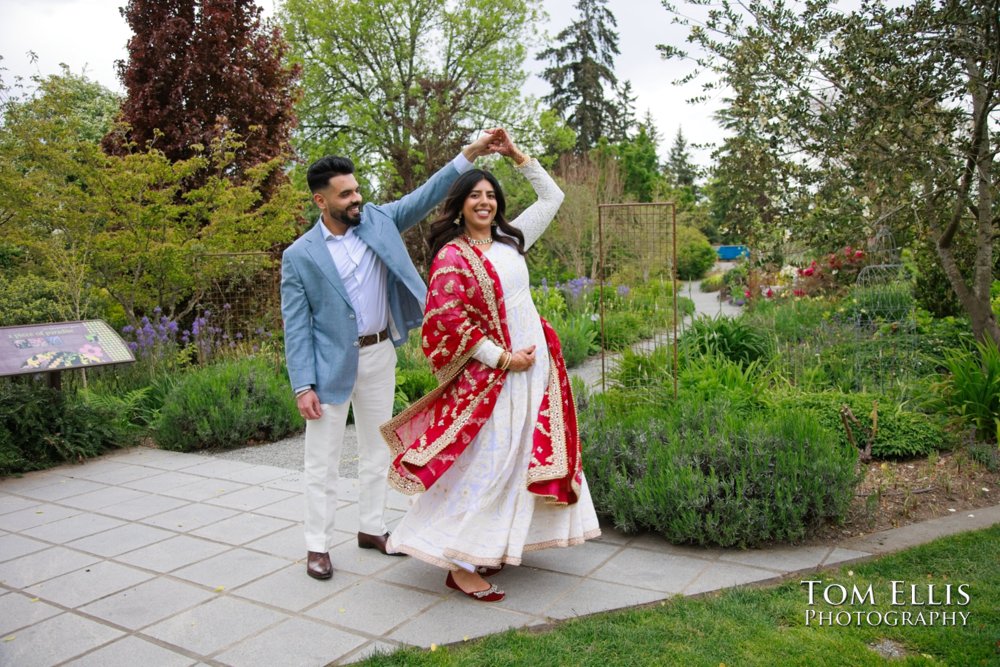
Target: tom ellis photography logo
[{"x": 909, "y": 604}]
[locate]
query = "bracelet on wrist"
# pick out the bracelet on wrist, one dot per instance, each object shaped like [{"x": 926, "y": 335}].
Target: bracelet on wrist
[{"x": 302, "y": 392}]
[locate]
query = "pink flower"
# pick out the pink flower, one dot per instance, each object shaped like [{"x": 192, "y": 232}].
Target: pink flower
[
  {"x": 769, "y": 293},
  {"x": 746, "y": 293},
  {"x": 808, "y": 272},
  {"x": 858, "y": 254},
  {"x": 798, "y": 292}
]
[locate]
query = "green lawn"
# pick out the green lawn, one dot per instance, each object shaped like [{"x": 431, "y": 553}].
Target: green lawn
[{"x": 767, "y": 626}]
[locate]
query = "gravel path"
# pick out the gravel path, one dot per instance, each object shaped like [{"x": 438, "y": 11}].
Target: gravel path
[{"x": 289, "y": 453}]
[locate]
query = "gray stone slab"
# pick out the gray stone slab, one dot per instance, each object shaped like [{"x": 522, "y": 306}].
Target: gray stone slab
[
  {"x": 374, "y": 607},
  {"x": 64, "y": 488},
  {"x": 347, "y": 556},
  {"x": 34, "y": 568},
  {"x": 579, "y": 560},
  {"x": 609, "y": 535},
  {"x": 415, "y": 573},
  {"x": 593, "y": 596},
  {"x": 148, "y": 602},
  {"x": 34, "y": 516},
  {"x": 109, "y": 495},
  {"x": 241, "y": 528},
  {"x": 257, "y": 474},
  {"x": 647, "y": 569},
  {"x": 290, "y": 482},
  {"x": 72, "y": 528},
  {"x": 904, "y": 537},
  {"x": 216, "y": 468},
  {"x": 726, "y": 575},
  {"x": 290, "y": 509},
  {"x": 839, "y": 555},
  {"x": 189, "y": 517},
  {"x": 231, "y": 568},
  {"x": 121, "y": 540},
  {"x": 164, "y": 482},
  {"x": 458, "y": 618},
  {"x": 9, "y": 503},
  {"x": 659, "y": 544},
  {"x": 54, "y": 640},
  {"x": 294, "y": 643},
  {"x": 291, "y": 588},
  {"x": 370, "y": 650},
  {"x": 288, "y": 543},
  {"x": 19, "y": 611},
  {"x": 30, "y": 480},
  {"x": 14, "y": 546},
  {"x": 88, "y": 584},
  {"x": 160, "y": 458},
  {"x": 109, "y": 471},
  {"x": 205, "y": 489},
  {"x": 779, "y": 559},
  {"x": 173, "y": 554},
  {"x": 251, "y": 498},
  {"x": 146, "y": 506},
  {"x": 214, "y": 625},
  {"x": 532, "y": 591},
  {"x": 132, "y": 651}
]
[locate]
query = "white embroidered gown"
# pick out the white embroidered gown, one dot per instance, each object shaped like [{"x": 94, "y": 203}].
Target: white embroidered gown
[{"x": 480, "y": 512}]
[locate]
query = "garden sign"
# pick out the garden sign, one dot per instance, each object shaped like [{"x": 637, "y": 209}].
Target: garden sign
[{"x": 41, "y": 348}]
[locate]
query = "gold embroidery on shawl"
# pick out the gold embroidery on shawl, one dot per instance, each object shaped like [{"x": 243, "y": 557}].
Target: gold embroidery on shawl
[{"x": 559, "y": 466}]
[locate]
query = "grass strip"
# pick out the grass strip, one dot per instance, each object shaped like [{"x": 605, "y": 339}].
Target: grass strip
[{"x": 768, "y": 626}]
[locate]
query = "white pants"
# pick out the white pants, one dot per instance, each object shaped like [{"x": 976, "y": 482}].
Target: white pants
[{"x": 374, "y": 391}]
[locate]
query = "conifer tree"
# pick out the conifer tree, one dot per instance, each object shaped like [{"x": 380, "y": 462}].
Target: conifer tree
[{"x": 582, "y": 68}]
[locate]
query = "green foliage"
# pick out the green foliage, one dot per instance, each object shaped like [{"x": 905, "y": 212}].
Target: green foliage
[
  {"x": 412, "y": 384},
  {"x": 709, "y": 376},
  {"x": 985, "y": 454},
  {"x": 30, "y": 299},
  {"x": 41, "y": 427},
  {"x": 622, "y": 328},
  {"x": 130, "y": 413},
  {"x": 705, "y": 474},
  {"x": 880, "y": 303},
  {"x": 790, "y": 320},
  {"x": 712, "y": 282},
  {"x": 578, "y": 335},
  {"x": 971, "y": 390},
  {"x": 227, "y": 404},
  {"x": 733, "y": 338},
  {"x": 939, "y": 335},
  {"x": 901, "y": 433},
  {"x": 695, "y": 254}
]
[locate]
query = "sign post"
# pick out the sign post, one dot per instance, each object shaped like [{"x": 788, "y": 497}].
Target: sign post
[{"x": 55, "y": 347}]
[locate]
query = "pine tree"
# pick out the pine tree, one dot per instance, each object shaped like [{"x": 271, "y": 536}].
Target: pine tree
[
  {"x": 623, "y": 122},
  {"x": 198, "y": 69},
  {"x": 679, "y": 162},
  {"x": 582, "y": 68}
]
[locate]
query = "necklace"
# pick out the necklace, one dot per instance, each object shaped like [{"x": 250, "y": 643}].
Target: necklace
[{"x": 485, "y": 241}]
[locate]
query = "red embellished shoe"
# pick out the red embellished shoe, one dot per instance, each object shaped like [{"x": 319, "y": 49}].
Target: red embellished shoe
[
  {"x": 491, "y": 594},
  {"x": 487, "y": 571}
]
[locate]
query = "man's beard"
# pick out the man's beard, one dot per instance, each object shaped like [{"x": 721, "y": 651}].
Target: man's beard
[{"x": 345, "y": 218}]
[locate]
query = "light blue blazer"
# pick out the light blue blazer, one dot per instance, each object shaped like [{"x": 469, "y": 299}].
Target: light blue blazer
[{"x": 321, "y": 328}]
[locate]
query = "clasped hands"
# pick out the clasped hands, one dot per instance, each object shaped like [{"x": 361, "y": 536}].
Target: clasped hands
[{"x": 494, "y": 140}]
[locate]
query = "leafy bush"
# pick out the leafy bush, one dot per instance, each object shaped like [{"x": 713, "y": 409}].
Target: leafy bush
[
  {"x": 623, "y": 328},
  {"x": 712, "y": 283},
  {"x": 227, "y": 404},
  {"x": 411, "y": 384},
  {"x": 578, "y": 336},
  {"x": 548, "y": 301},
  {"x": 706, "y": 376},
  {"x": 881, "y": 303},
  {"x": 791, "y": 320},
  {"x": 901, "y": 433},
  {"x": 732, "y": 338},
  {"x": 30, "y": 299},
  {"x": 986, "y": 455},
  {"x": 971, "y": 390},
  {"x": 706, "y": 474},
  {"x": 695, "y": 254},
  {"x": 41, "y": 427}
]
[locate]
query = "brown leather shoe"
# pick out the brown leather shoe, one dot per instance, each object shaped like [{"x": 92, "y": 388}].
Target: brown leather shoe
[
  {"x": 318, "y": 565},
  {"x": 366, "y": 541}
]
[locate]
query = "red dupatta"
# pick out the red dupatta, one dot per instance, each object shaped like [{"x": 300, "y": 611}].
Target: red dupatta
[{"x": 464, "y": 308}]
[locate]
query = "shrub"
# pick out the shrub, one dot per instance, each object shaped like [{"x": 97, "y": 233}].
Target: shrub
[
  {"x": 901, "y": 433},
  {"x": 623, "y": 328},
  {"x": 732, "y": 338},
  {"x": 971, "y": 390},
  {"x": 892, "y": 302},
  {"x": 41, "y": 427},
  {"x": 411, "y": 384},
  {"x": 30, "y": 299},
  {"x": 549, "y": 301},
  {"x": 705, "y": 474},
  {"x": 791, "y": 320},
  {"x": 712, "y": 283},
  {"x": 227, "y": 404},
  {"x": 578, "y": 336},
  {"x": 695, "y": 254}
]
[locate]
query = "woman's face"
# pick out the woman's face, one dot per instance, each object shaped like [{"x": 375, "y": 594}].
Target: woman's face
[{"x": 479, "y": 209}]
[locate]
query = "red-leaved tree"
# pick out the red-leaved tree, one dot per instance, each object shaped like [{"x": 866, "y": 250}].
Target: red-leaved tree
[{"x": 199, "y": 69}]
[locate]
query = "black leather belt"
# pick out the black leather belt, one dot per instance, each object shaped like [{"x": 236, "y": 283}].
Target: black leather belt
[{"x": 371, "y": 339}]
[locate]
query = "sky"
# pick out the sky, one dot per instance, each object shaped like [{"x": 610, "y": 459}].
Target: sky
[{"x": 90, "y": 35}]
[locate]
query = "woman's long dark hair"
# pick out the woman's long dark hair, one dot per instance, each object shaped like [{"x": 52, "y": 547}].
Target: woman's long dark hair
[{"x": 443, "y": 229}]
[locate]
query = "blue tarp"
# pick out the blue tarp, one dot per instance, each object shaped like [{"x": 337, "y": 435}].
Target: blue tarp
[{"x": 728, "y": 253}]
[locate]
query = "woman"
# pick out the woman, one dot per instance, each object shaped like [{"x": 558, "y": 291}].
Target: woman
[{"x": 493, "y": 450}]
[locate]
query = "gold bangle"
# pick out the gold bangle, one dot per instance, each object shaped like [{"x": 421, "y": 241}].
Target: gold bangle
[{"x": 505, "y": 359}]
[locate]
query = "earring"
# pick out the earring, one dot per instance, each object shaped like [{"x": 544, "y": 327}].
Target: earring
[
  {"x": 493, "y": 224},
  {"x": 458, "y": 220}
]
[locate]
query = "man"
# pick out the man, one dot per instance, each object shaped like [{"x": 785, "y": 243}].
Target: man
[{"x": 349, "y": 293}]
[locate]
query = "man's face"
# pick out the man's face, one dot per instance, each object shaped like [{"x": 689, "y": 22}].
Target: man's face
[{"x": 341, "y": 200}]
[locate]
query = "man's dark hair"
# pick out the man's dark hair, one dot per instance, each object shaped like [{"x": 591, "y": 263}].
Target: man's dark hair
[{"x": 322, "y": 170}]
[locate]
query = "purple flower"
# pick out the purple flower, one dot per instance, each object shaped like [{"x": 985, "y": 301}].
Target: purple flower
[{"x": 622, "y": 290}]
